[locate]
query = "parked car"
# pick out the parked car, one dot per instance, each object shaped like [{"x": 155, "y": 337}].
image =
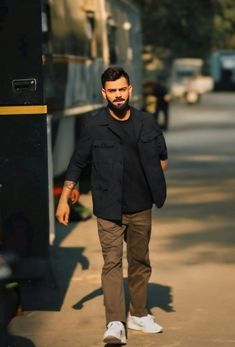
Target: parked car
[{"x": 187, "y": 80}]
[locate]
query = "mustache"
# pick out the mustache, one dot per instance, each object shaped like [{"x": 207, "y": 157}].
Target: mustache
[
  {"x": 118, "y": 99},
  {"x": 118, "y": 109}
]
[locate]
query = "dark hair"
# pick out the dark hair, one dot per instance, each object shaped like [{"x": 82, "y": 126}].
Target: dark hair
[{"x": 113, "y": 74}]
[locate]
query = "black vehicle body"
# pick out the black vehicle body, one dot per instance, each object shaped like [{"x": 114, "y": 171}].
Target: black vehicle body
[{"x": 52, "y": 55}]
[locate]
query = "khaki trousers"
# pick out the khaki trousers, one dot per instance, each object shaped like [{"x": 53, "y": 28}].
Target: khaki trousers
[{"x": 135, "y": 229}]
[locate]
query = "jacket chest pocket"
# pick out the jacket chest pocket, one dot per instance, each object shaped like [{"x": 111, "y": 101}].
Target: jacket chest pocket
[
  {"x": 149, "y": 143},
  {"x": 104, "y": 151},
  {"x": 104, "y": 154},
  {"x": 150, "y": 146}
]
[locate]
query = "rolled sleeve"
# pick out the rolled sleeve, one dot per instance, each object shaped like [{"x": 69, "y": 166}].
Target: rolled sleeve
[
  {"x": 80, "y": 157},
  {"x": 163, "y": 154}
]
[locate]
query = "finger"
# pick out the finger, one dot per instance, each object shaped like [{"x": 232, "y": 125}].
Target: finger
[
  {"x": 61, "y": 219},
  {"x": 66, "y": 219}
]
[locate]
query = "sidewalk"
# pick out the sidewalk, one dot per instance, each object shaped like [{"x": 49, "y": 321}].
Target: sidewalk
[
  {"x": 186, "y": 296},
  {"x": 191, "y": 290}
]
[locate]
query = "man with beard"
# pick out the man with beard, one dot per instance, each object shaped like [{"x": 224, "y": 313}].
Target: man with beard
[{"x": 128, "y": 154}]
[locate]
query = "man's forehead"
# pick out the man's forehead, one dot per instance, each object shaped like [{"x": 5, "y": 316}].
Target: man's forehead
[{"x": 120, "y": 83}]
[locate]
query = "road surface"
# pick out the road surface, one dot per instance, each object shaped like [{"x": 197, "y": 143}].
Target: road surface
[{"x": 191, "y": 291}]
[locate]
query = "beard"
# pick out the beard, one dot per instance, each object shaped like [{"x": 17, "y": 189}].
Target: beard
[{"x": 119, "y": 110}]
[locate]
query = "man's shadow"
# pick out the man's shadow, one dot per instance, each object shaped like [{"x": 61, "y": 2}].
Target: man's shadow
[
  {"x": 158, "y": 296},
  {"x": 48, "y": 294},
  {"x": 19, "y": 341}
]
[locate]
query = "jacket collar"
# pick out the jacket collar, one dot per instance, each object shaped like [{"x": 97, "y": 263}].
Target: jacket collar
[
  {"x": 105, "y": 120},
  {"x": 137, "y": 120}
]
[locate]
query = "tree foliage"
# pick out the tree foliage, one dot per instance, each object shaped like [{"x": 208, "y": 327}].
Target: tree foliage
[
  {"x": 224, "y": 24},
  {"x": 188, "y": 28}
]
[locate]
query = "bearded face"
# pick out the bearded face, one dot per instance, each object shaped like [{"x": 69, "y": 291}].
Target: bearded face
[
  {"x": 118, "y": 104},
  {"x": 117, "y": 93}
]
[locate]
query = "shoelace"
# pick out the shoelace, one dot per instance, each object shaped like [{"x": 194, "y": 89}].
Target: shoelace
[
  {"x": 151, "y": 317},
  {"x": 148, "y": 318},
  {"x": 114, "y": 323}
]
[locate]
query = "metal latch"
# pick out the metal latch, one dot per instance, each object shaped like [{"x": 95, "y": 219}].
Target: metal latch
[{"x": 23, "y": 85}]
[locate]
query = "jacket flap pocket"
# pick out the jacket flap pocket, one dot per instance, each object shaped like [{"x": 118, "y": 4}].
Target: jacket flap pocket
[
  {"x": 149, "y": 137},
  {"x": 103, "y": 144}
]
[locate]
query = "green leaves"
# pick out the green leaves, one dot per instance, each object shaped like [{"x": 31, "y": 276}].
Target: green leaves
[{"x": 188, "y": 28}]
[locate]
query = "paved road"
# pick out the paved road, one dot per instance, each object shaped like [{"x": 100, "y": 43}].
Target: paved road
[{"x": 192, "y": 287}]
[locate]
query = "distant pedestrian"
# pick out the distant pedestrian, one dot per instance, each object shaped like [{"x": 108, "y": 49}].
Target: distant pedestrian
[
  {"x": 162, "y": 104},
  {"x": 128, "y": 155}
]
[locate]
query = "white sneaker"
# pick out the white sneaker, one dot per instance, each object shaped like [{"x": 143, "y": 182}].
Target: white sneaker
[
  {"x": 145, "y": 324},
  {"x": 115, "y": 333}
]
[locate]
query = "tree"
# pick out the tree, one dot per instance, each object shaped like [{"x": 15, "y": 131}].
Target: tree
[
  {"x": 224, "y": 25},
  {"x": 188, "y": 28}
]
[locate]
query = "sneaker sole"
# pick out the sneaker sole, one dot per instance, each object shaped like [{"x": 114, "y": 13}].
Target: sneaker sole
[
  {"x": 133, "y": 326},
  {"x": 114, "y": 340}
]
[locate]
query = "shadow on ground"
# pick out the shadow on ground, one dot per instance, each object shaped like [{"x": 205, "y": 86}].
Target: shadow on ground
[
  {"x": 158, "y": 296},
  {"x": 199, "y": 207},
  {"x": 61, "y": 266},
  {"x": 18, "y": 341}
]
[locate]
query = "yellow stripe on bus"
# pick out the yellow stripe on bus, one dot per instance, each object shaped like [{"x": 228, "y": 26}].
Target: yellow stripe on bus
[
  {"x": 24, "y": 110},
  {"x": 72, "y": 59}
]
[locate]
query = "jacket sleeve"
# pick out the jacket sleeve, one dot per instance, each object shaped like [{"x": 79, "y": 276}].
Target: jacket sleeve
[
  {"x": 163, "y": 155},
  {"x": 81, "y": 155},
  {"x": 161, "y": 143}
]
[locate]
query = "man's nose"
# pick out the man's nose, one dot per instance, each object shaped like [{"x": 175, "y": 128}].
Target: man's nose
[{"x": 118, "y": 93}]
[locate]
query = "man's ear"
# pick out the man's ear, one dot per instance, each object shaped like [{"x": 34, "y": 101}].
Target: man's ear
[
  {"x": 130, "y": 90},
  {"x": 104, "y": 93}
]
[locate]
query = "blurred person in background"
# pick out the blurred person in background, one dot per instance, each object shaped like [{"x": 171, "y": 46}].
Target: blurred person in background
[
  {"x": 128, "y": 155},
  {"x": 162, "y": 104}
]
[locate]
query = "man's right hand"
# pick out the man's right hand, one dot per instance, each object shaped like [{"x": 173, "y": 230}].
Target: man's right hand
[
  {"x": 74, "y": 196},
  {"x": 63, "y": 209},
  {"x": 62, "y": 212}
]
